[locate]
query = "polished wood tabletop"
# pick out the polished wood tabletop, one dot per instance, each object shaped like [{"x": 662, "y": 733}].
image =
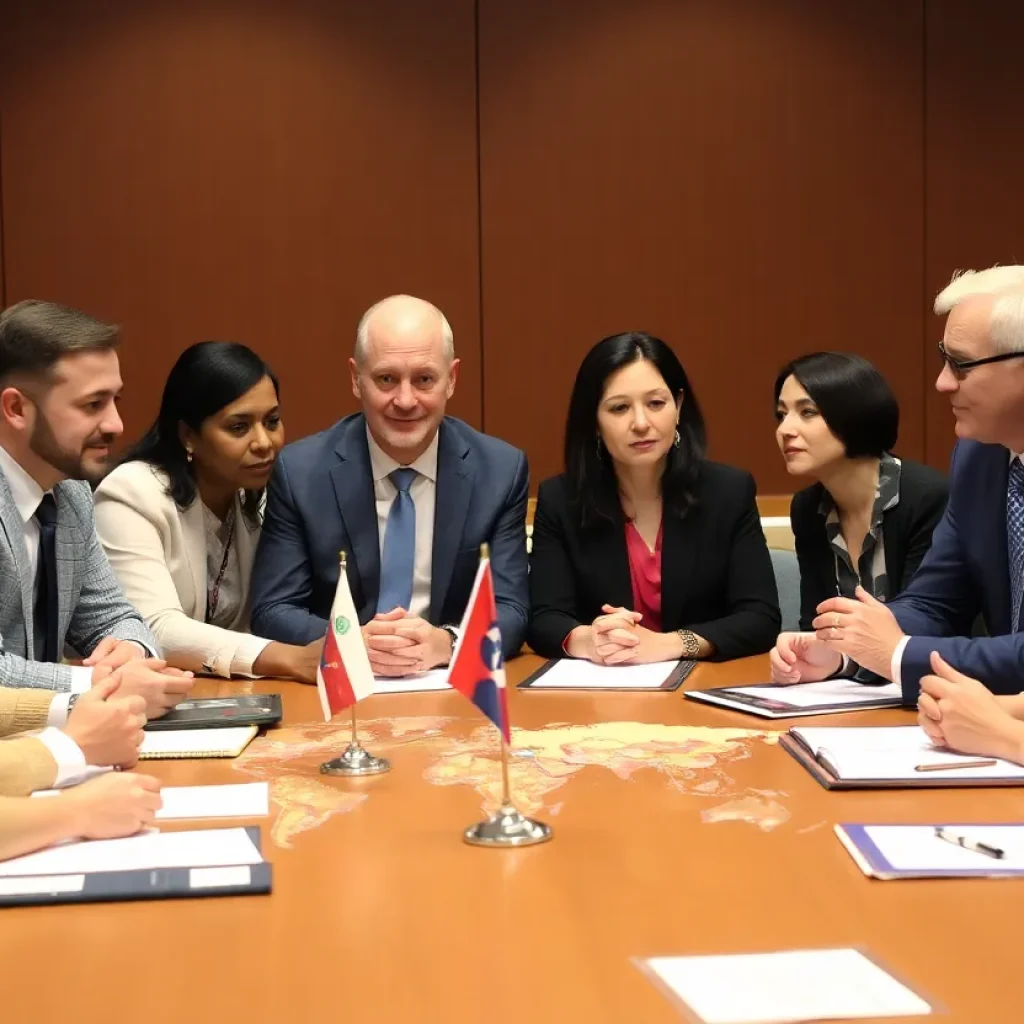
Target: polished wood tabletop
[{"x": 666, "y": 842}]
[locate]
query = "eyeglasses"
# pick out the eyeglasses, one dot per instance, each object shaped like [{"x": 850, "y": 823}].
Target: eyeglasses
[{"x": 959, "y": 367}]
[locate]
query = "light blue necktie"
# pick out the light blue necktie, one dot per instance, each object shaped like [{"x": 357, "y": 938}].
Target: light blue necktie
[
  {"x": 1015, "y": 538},
  {"x": 399, "y": 557}
]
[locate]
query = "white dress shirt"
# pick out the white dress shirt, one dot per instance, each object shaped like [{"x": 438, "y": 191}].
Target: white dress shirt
[{"x": 423, "y": 493}]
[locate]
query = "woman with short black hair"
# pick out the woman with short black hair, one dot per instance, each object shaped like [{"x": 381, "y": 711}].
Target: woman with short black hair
[
  {"x": 643, "y": 550},
  {"x": 868, "y": 519}
]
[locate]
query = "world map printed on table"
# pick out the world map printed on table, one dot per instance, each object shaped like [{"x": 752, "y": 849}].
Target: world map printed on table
[{"x": 690, "y": 758}]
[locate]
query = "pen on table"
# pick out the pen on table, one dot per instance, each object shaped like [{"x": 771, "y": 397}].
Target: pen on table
[
  {"x": 944, "y": 765},
  {"x": 959, "y": 839}
]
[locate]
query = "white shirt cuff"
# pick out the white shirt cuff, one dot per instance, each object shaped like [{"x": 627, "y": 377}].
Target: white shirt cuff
[
  {"x": 71, "y": 766},
  {"x": 58, "y": 713},
  {"x": 81, "y": 678},
  {"x": 240, "y": 664},
  {"x": 897, "y": 661}
]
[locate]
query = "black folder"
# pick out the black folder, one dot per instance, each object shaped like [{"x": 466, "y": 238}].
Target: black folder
[
  {"x": 148, "y": 884},
  {"x": 260, "y": 709}
]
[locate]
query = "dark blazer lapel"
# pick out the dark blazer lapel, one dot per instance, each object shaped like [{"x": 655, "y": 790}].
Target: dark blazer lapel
[
  {"x": 607, "y": 547},
  {"x": 452, "y": 494},
  {"x": 352, "y": 478},
  {"x": 677, "y": 557},
  {"x": 14, "y": 531}
]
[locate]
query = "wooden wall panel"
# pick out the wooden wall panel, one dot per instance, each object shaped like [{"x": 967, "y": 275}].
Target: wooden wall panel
[
  {"x": 974, "y": 153},
  {"x": 742, "y": 178},
  {"x": 260, "y": 171}
]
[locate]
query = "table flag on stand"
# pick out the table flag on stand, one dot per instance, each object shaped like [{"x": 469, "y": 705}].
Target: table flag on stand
[
  {"x": 477, "y": 670},
  {"x": 344, "y": 678}
]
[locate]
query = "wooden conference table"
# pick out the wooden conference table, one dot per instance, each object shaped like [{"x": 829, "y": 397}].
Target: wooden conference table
[{"x": 380, "y": 913}]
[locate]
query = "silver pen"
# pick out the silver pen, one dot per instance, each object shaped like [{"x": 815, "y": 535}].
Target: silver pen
[{"x": 959, "y": 839}]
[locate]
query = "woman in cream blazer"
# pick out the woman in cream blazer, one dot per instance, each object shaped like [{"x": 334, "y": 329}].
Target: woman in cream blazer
[{"x": 180, "y": 517}]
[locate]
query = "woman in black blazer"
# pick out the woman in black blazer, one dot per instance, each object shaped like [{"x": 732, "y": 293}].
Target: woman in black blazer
[
  {"x": 868, "y": 519},
  {"x": 643, "y": 550}
]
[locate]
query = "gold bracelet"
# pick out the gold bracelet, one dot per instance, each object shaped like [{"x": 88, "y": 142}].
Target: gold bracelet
[{"x": 691, "y": 645}]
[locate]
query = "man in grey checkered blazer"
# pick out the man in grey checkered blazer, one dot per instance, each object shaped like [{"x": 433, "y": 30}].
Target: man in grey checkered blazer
[{"x": 59, "y": 383}]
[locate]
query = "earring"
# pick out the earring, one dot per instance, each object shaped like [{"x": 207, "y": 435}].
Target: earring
[
  {"x": 677, "y": 438},
  {"x": 188, "y": 452},
  {"x": 597, "y": 441}
]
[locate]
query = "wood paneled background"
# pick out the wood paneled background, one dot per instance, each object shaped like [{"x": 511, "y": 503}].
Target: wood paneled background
[{"x": 750, "y": 179}]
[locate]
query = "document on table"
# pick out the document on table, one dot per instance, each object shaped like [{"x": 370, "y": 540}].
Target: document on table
[
  {"x": 575, "y": 673},
  {"x": 422, "y": 682},
  {"x": 894, "y": 752},
  {"x": 198, "y": 849},
  {"x": 823, "y": 694},
  {"x": 915, "y": 851},
  {"x": 833, "y": 696},
  {"x": 779, "y": 988},
  {"x": 242, "y": 800}
]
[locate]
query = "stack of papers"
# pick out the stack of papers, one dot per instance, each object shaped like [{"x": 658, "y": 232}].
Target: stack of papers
[{"x": 833, "y": 696}]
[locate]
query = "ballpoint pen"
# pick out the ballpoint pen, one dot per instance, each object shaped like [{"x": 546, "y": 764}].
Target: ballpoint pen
[{"x": 959, "y": 839}]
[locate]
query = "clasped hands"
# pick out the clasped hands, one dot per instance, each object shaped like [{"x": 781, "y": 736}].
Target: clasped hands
[
  {"x": 400, "y": 644},
  {"x": 617, "y": 638},
  {"x": 862, "y": 629},
  {"x": 135, "y": 674}
]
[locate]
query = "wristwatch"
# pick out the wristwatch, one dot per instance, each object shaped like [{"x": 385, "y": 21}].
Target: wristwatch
[
  {"x": 453, "y": 633},
  {"x": 691, "y": 645}
]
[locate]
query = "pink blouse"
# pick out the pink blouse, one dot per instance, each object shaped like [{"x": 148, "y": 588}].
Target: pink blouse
[{"x": 645, "y": 576}]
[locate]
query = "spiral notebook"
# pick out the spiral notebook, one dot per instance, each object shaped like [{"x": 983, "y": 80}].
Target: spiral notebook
[{"x": 188, "y": 743}]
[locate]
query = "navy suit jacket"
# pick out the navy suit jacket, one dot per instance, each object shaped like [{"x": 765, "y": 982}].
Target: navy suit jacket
[
  {"x": 965, "y": 573},
  {"x": 320, "y": 502}
]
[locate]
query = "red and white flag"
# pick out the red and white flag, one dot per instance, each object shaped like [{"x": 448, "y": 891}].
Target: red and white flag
[{"x": 344, "y": 675}]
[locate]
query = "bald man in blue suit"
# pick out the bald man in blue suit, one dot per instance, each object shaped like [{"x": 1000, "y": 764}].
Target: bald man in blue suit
[{"x": 408, "y": 493}]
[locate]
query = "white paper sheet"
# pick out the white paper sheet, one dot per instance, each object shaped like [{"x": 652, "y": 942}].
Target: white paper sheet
[
  {"x": 894, "y": 752},
  {"x": 772, "y": 988},
  {"x": 585, "y": 675},
  {"x": 201, "y": 848},
  {"x": 831, "y": 691},
  {"x": 918, "y": 848},
  {"x": 244, "y": 800},
  {"x": 435, "y": 679}
]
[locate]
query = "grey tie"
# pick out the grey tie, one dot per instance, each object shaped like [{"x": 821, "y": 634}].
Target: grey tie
[{"x": 399, "y": 556}]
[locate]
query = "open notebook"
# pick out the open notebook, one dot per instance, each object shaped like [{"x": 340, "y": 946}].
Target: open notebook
[
  {"x": 891, "y": 757},
  {"x": 189, "y": 743}
]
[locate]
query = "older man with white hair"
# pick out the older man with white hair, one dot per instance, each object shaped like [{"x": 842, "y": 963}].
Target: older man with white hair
[
  {"x": 976, "y": 562},
  {"x": 409, "y": 493}
]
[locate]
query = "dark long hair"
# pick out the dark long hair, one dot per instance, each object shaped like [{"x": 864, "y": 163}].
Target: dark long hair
[
  {"x": 207, "y": 376},
  {"x": 587, "y": 463},
  {"x": 854, "y": 399}
]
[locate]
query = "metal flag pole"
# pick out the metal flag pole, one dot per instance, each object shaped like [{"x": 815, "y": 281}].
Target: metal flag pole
[
  {"x": 355, "y": 759},
  {"x": 507, "y": 826}
]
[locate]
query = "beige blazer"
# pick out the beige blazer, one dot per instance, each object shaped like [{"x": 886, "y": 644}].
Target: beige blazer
[{"x": 158, "y": 553}]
